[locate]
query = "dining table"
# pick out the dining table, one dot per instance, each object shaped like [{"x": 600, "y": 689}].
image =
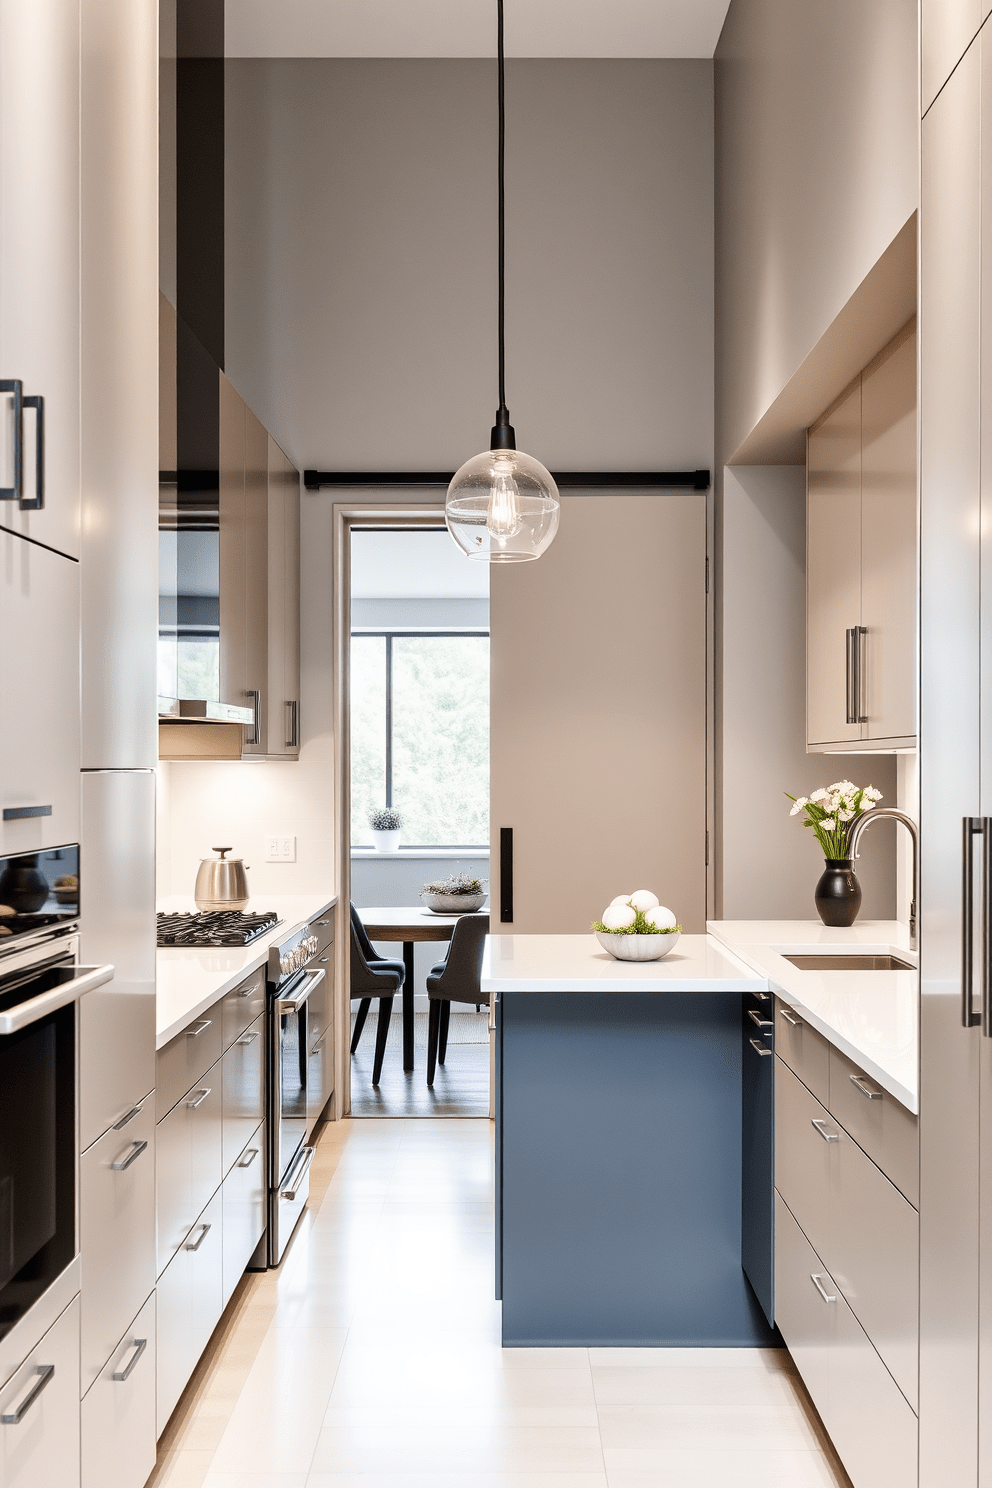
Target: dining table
[{"x": 409, "y": 924}]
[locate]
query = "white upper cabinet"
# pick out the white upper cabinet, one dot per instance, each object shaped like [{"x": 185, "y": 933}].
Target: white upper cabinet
[
  {"x": 861, "y": 561},
  {"x": 39, "y": 267}
]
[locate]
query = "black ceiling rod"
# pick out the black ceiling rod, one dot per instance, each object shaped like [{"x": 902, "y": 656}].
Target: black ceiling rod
[{"x": 672, "y": 480}]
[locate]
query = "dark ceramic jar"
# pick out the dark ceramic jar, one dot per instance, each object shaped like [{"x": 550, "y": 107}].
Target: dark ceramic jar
[{"x": 838, "y": 893}]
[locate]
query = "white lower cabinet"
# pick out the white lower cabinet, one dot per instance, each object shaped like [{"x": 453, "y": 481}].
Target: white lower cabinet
[
  {"x": 117, "y": 1234},
  {"x": 869, "y": 1421},
  {"x": 118, "y": 1412},
  {"x": 189, "y": 1161},
  {"x": 189, "y": 1302},
  {"x": 39, "y": 1411},
  {"x": 243, "y": 1195}
]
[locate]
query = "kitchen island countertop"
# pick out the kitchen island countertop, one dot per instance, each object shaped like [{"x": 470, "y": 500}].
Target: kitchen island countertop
[
  {"x": 578, "y": 963},
  {"x": 189, "y": 979}
]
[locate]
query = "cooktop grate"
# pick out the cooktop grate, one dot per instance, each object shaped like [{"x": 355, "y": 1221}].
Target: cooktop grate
[{"x": 214, "y": 927}]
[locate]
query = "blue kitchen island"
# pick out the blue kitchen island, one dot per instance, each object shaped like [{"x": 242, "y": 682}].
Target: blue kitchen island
[{"x": 618, "y": 1145}]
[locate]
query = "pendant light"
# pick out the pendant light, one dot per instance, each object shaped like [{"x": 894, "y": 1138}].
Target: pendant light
[{"x": 502, "y": 506}]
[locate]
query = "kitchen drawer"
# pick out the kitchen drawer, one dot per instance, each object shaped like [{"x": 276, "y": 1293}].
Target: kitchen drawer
[
  {"x": 243, "y": 1203},
  {"x": 42, "y": 1449},
  {"x": 118, "y": 1414},
  {"x": 323, "y": 928},
  {"x": 866, "y": 1415},
  {"x": 319, "y": 1003},
  {"x": 186, "y": 1058},
  {"x": 189, "y": 1161},
  {"x": 804, "y": 1050},
  {"x": 243, "y": 1081},
  {"x": 188, "y": 1306},
  {"x": 116, "y": 1234},
  {"x": 875, "y": 1119},
  {"x": 802, "y": 1156},
  {"x": 242, "y": 1005}
]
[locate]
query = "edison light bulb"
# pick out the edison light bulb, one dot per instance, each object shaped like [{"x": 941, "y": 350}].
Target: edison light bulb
[{"x": 503, "y": 516}]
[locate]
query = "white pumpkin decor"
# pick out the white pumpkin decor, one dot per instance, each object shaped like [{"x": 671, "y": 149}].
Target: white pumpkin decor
[{"x": 637, "y": 927}]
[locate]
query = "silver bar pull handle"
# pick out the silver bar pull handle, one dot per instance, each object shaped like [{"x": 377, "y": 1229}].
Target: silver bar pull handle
[
  {"x": 820, "y": 1125},
  {"x": 139, "y": 1345},
  {"x": 128, "y": 1116},
  {"x": 972, "y": 826},
  {"x": 303, "y": 1168},
  {"x": 127, "y": 1157},
  {"x": 861, "y": 672},
  {"x": 256, "y": 710},
  {"x": 204, "y": 1232},
  {"x": 293, "y": 1004},
  {"x": 44, "y": 1373},
  {"x": 201, "y": 1096},
  {"x": 492, "y": 1012},
  {"x": 247, "y": 1038},
  {"x": 757, "y": 1018},
  {"x": 850, "y": 637},
  {"x": 37, "y": 402},
  {"x": 985, "y": 977},
  {"x": 200, "y": 1026},
  {"x": 793, "y": 1022},
  {"x": 860, "y": 1083},
  {"x": 293, "y": 742},
  {"x": 818, "y": 1283},
  {"x": 760, "y": 1048},
  {"x": 15, "y": 386},
  {"x": 248, "y": 1158}
]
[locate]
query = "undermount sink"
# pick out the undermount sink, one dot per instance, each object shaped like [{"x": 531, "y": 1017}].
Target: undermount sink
[{"x": 849, "y": 963}]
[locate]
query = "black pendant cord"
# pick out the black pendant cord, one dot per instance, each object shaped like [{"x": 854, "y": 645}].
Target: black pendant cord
[{"x": 502, "y": 435}]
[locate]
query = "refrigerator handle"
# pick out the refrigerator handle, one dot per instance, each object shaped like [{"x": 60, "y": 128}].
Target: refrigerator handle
[
  {"x": 37, "y": 402},
  {"x": 973, "y": 827},
  {"x": 15, "y": 386},
  {"x": 985, "y": 975}
]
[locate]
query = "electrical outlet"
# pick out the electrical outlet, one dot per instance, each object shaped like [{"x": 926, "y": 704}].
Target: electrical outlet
[
  {"x": 272, "y": 850},
  {"x": 287, "y": 849}
]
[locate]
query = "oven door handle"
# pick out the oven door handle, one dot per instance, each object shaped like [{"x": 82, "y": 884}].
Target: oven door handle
[
  {"x": 296, "y": 1175},
  {"x": 293, "y": 1004},
  {"x": 26, "y": 1013}
]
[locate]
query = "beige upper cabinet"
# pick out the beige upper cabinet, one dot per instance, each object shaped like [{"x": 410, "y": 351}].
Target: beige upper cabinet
[
  {"x": 861, "y": 561},
  {"x": 947, "y": 28},
  {"x": 284, "y": 604}
]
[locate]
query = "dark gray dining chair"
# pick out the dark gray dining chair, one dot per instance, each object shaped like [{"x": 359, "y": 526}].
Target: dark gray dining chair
[
  {"x": 455, "y": 979},
  {"x": 372, "y": 976}
]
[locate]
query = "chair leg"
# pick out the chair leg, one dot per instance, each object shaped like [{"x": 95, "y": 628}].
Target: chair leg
[
  {"x": 381, "y": 1033},
  {"x": 363, "y": 1012},
  {"x": 443, "y": 1041},
  {"x": 433, "y": 1028}
]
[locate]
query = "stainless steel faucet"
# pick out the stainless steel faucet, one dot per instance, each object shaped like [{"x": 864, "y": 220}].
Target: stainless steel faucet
[{"x": 890, "y": 812}]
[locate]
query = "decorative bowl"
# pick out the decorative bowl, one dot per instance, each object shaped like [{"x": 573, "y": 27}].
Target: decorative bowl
[
  {"x": 638, "y": 947},
  {"x": 454, "y": 903}
]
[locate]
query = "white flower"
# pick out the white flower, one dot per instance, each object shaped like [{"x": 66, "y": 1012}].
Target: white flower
[
  {"x": 828, "y": 824},
  {"x": 801, "y": 801},
  {"x": 819, "y": 796},
  {"x": 846, "y": 815},
  {"x": 872, "y": 793}
]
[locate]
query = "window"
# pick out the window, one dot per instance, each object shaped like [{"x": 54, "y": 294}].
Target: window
[{"x": 420, "y": 735}]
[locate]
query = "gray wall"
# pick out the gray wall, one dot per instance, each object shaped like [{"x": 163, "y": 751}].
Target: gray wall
[{"x": 361, "y": 259}]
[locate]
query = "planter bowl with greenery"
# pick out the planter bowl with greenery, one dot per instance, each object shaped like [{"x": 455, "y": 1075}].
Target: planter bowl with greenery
[
  {"x": 459, "y": 894},
  {"x": 386, "y": 827},
  {"x": 635, "y": 927}
]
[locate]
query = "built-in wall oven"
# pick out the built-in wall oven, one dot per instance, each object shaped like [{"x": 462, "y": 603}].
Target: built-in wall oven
[
  {"x": 41, "y": 982},
  {"x": 291, "y": 981}
]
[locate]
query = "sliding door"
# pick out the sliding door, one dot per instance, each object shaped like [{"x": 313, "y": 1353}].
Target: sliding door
[{"x": 598, "y": 713}]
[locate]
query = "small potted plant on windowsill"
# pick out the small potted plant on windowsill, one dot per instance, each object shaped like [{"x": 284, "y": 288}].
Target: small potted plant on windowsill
[{"x": 386, "y": 827}]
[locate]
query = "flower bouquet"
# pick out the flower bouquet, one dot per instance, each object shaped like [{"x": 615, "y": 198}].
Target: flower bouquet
[{"x": 831, "y": 812}]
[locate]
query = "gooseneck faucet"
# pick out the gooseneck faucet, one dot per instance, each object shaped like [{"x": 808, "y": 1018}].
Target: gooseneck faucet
[{"x": 885, "y": 813}]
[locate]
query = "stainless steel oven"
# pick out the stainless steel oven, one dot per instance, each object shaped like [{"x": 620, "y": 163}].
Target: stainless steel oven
[
  {"x": 41, "y": 982},
  {"x": 290, "y": 983}
]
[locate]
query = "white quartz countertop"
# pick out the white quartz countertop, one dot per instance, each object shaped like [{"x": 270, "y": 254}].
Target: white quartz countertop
[
  {"x": 871, "y": 1016},
  {"x": 578, "y": 963},
  {"x": 191, "y": 979}
]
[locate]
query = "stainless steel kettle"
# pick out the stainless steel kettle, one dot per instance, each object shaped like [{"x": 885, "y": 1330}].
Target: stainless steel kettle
[{"x": 221, "y": 883}]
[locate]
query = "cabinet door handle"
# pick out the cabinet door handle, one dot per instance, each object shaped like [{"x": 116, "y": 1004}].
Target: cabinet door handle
[
  {"x": 204, "y": 1232},
  {"x": 37, "y": 402},
  {"x": 850, "y": 637},
  {"x": 821, "y": 1126},
  {"x": 200, "y": 1026},
  {"x": 256, "y": 709},
  {"x": 128, "y": 1116},
  {"x": 201, "y": 1096},
  {"x": 127, "y": 1157},
  {"x": 861, "y": 672},
  {"x": 827, "y": 1296},
  {"x": 974, "y": 826},
  {"x": 248, "y": 1158},
  {"x": 247, "y": 1038},
  {"x": 249, "y": 991},
  {"x": 13, "y": 492},
  {"x": 45, "y": 1374},
  {"x": 25, "y": 813},
  {"x": 860, "y": 1083},
  {"x": 293, "y": 742},
  {"x": 139, "y": 1345},
  {"x": 302, "y": 1169},
  {"x": 757, "y": 1018},
  {"x": 760, "y": 1048},
  {"x": 795, "y": 1022},
  {"x": 761, "y": 996},
  {"x": 323, "y": 922}
]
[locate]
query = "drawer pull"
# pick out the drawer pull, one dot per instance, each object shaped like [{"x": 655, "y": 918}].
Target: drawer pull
[
  {"x": 127, "y": 1157},
  {"x": 827, "y": 1297},
  {"x": 794, "y": 1022},
  {"x": 860, "y": 1083},
  {"x": 761, "y": 996},
  {"x": 128, "y": 1116},
  {"x": 204, "y": 1232},
  {"x": 200, "y": 1026},
  {"x": 139, "y": 1345},
  {"x": 760, "y": 1048},
  {"x": 248, "y": 1158},
  {"x": 247, "y": 1038},
  {"x": 249, "y": 991},
  {"x": 45, "y": 1374},
  {"x": 324, "y": 960},
  {"x": 820, "y": 1125},
  {"x": 757, "y": 1018},
  {"x": 323, "y": 922},
  {"x": 201, "y": 1096}
]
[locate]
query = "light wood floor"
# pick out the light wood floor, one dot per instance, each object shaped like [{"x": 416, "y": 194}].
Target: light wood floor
[
  {"x": 461, "y": 1084},
  {"x": 372, "y": 1359}
]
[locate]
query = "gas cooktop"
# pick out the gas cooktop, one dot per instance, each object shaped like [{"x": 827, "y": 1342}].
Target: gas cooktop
[{"x": 214, "y": 927}]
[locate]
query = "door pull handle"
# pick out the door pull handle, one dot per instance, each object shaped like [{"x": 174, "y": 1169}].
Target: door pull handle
[
  {"x": 247, "y": 1038},
  {"x": 860, "y": 1083},
  {"x": 974, "y": 826},
  {"x": 256, "y": 709},
  {"x": 757, "y": 1018},
  {"x": 201, "y": 1096},
  {"x": 13, "y": 492},
  {"x": 821, "y": 1126},
  {"x": 204, "y": 1232},
  {"x": 200, "y": 1026},
  {"x": 248, "y": 1158},
  {"x": 45, "y": 1374},
  {"x": 760, "y": 1048},
  {"x": 127, "y": 1157},
  {"x": 827, "y": 1296},
  {"x": 139, "y": 1345},
  {"x": 793, "y": 1022}
]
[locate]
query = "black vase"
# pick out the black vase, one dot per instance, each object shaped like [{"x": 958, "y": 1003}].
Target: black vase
[
  {"x": 22, "y": 885},
  {"x": 838, "y": 894}
]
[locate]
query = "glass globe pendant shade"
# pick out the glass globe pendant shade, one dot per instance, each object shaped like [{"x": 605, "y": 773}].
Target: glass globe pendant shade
[{"x": 502, "y": 507}]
